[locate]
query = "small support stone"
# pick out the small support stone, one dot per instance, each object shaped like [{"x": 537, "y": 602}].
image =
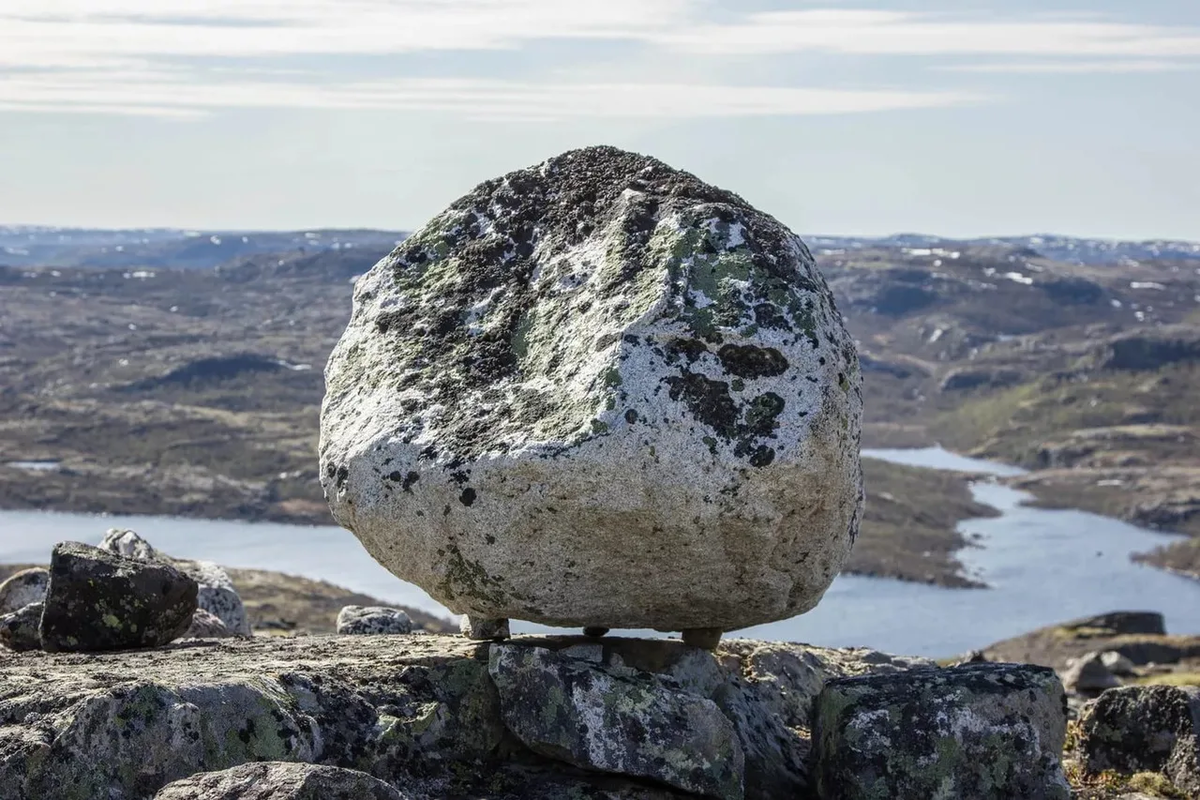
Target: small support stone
[
  {"x": 595, "y": 631},
  {"x": 484, "y": 629},
  {"x": 704, "y": 638}
]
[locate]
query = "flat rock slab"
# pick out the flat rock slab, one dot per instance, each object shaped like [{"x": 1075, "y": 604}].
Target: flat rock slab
[
  {"x": 1145, "y": 729},
  {"x": 623, "y": 721},
  {"x": 280, "y": 781},
  {"x": 410, "y": 710},
  {"x": 983, "y": 731},
  {"x": 599, "y": 392},
  {"x": 100, "y": 601}
]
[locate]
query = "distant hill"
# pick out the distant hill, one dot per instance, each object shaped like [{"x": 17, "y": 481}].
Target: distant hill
[
  {"x": 1067, "y": 249},
  {"x": 22, "y": 246}
]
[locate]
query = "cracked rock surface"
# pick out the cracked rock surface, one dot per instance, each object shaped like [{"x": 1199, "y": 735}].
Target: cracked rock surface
[
  {"x": 983, "y": 731},
  {"x": 599, "y": 392},
  {"x": 97, "y": 600},
  {"x": 433, "y": 716}
]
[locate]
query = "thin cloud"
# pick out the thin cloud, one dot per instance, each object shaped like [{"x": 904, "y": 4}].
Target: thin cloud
[
  {"x": 899, "y": 33},
  {"x": 185, "y": 58},
  {"x": 479, "y": 99},
  {"x": 1076, "y": 67}
]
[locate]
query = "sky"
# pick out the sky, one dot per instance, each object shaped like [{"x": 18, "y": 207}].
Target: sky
[{"x": 856, "y": 117}]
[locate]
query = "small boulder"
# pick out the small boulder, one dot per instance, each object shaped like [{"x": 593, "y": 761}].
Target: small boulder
[
  {"x": 617, "y": 720},
  {"x": 206, "y": 625},
  {"x": 983, "y": 731},
  {"x": 100, "y": 601},
  {"x": 371, "y": 620},
  {"x": 22, "y": 588},
  {"x": 280, "y": 781},
  {"x": 1145, "y": 729},
  {"x": 19, "y": 629},
  {"x": 1089, "y": 675},
  {"x": 483, "y": 629},
  {"x": 217, "y": 594},
  {"x": 125, "y": 542},
  {"x": 1117, "y": 663}
]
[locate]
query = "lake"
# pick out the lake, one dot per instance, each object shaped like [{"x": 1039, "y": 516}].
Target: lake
[{"x": 1044, "y": 566}]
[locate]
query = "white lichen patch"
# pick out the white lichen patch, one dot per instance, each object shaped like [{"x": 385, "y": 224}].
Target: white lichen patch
[{"x": 599, "y": 392}]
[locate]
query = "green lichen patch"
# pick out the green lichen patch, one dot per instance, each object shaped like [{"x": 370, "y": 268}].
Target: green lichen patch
[{"x": 988, "y": 731}]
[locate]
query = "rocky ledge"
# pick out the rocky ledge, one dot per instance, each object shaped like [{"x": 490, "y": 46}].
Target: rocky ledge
[{"x": 440, "y": 716}]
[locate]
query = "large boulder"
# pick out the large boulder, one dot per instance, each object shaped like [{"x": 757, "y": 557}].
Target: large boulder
[
  {"x": 1145, "y": 729},
  {"x": 617, "y": 720},
  {"x": 280, "y": 781},
  {"x": 983, "y": 731},
  {"x": 217, "y": 594},
  {"x": 599, "y": 392},
  {"x": 100, "y": 601}
]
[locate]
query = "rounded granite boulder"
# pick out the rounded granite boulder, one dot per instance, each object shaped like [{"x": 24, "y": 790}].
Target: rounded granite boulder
[{"x": 599, "y": 392}]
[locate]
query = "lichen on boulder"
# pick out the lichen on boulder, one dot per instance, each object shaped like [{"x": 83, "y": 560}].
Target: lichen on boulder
[
  {"x": 1145, "y": 728},
  {"x": 599, "y": 392},
  {"x": 280, "y": 781},
  {"x": 216, "y": 594},
  {"x": 983, "y": 731},
  {"x": 97, "y": 600},
  {"x": 617, "y": 720}
]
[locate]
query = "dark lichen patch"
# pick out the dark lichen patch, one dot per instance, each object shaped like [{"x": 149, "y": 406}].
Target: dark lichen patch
[
  {"x": 467, "y": 498},
  {"x": 749, "y": 361},
  {"x": 710, "y": 403},
  {"x": 684, "y": 349},
  {"x": 763, "y": 413},
  {"x": 708, "y": 400},
  {"x": 762, "y": 456}
]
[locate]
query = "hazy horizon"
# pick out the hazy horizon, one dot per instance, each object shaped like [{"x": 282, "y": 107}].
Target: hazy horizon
[{"x": 409, "y": 229}]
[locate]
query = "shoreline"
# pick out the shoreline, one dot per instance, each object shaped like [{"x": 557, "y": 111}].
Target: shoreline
[{"x": 911, "y": 528}]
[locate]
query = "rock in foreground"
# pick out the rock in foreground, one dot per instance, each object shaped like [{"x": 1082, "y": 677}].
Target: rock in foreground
[
  {"x": 979, "y": 731},
  {"x": 280, "y": 781},
  {"x": 1145, "y": 728},
  {"x": 422, "y": 713},
  {"x": 613, "y": 720},
  {"x": 599, "y": 392},
  {"x": 100, "y": 601}
]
